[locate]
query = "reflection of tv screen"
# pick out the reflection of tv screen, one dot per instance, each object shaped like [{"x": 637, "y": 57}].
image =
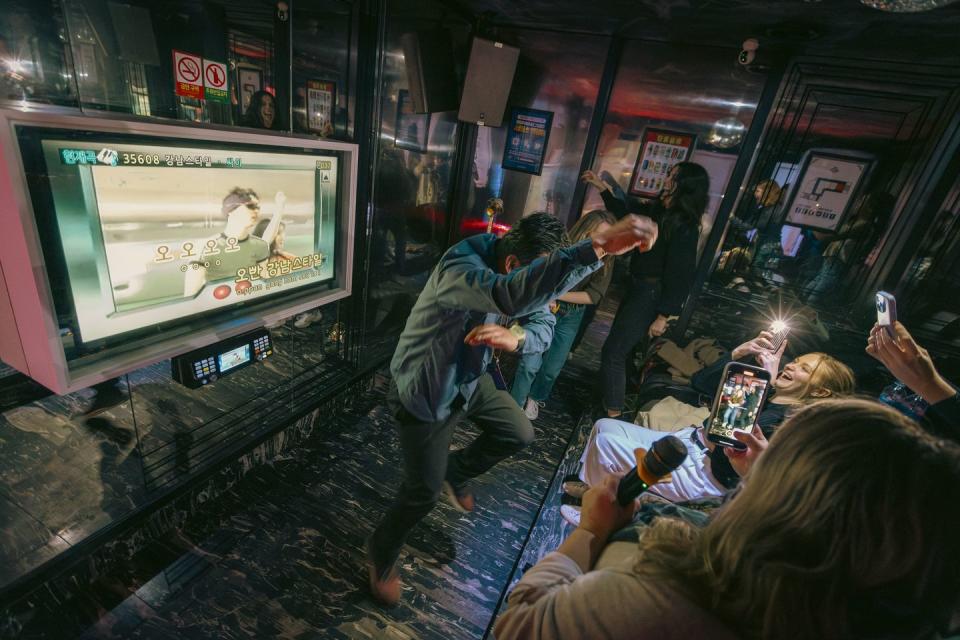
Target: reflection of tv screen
[{"x": 158, "y": 231}]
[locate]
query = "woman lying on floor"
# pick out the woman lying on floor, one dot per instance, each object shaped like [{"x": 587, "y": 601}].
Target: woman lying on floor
[
  {"x": 844, "y": 528},
  {"x": 707, "y": 472}
]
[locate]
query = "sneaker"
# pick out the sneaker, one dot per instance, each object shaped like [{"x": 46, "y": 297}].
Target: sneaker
[
  {"x": 532, "y": 408},
  {"x": 384, "y": 589},
  {"x": 304, "y": 320},
  {"x": 462, "y": 502},
  {"x": 571, "y": 514},
  {"x": 575, "y": 488}
]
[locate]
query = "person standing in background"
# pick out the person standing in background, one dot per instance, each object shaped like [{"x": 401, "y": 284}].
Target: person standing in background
[
  {"x": 537, "y": 372},
  {"x": 660, "y": 279}
]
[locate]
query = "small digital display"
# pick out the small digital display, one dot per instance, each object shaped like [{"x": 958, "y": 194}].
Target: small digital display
[{"x": 234, "y": 358}]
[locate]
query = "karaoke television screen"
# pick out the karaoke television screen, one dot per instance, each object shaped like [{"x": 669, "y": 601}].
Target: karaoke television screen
[{"x": 150, "y": 233}]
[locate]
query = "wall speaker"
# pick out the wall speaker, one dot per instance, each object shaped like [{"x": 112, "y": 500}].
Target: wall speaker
[
  {"x": 431, "y": 78},
  {"x": 487, "y": 86}
]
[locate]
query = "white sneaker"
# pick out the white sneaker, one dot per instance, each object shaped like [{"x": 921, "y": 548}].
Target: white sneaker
[
  {"x": 571, "y": 514},
  {"x": 304, "y": 320},
  {"x": 532, "y": 408}
]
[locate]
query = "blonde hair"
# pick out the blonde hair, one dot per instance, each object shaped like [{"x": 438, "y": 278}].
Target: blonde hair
[
  {"x": 588, "y": 222},
  {"x": 829, "y": 375},
  {"x": 771, "y": 192},
  {"x": 844, "y": 528}
]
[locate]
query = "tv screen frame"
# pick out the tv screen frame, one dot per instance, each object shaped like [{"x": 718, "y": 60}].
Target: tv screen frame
[{"x": 31, "y": 336}]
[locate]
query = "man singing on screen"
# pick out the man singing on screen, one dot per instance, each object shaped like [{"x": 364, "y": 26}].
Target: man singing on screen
[
  {"x": 236, "y": 247},
  {"x": 439, "y": 367}
]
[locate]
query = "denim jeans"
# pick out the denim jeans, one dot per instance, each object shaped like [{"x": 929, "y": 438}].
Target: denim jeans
[{"x": 538, "y": 372}]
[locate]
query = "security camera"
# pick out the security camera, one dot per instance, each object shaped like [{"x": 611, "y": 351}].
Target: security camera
[{"x": 748, "y": 51}]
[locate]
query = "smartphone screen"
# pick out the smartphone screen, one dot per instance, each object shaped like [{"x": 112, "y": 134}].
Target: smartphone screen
[{"x": 739, "y": 399}]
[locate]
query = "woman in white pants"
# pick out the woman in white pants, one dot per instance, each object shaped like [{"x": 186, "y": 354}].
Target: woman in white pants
[{"x": 810, "y": 377}]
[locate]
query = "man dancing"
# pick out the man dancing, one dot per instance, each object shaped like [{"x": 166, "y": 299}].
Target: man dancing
[{"x": 441, "y": 359}]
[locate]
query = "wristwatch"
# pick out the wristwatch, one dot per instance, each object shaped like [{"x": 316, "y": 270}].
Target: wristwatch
[{"x": 521, "y": 335}]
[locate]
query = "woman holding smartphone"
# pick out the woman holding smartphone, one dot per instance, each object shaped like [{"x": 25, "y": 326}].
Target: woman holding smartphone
[
  {"x": 660, "y": 279},
  {"x": 537, "y": 372},
  {"x": 707, "y": 473},
  {"x": 813, "y": 546}
]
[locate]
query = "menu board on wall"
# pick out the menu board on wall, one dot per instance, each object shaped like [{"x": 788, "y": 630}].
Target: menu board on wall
[
  {"x": 527, "y": 137},
  {"x": 660, "y": 149},
  {"x": 827, "y": 185},
  {"x": 321, "y": 99}
]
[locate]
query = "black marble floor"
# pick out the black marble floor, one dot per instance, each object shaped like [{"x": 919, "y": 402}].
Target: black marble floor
[
  {"x": 66, "y": 475},
  {"x": 281, "y": 554}
]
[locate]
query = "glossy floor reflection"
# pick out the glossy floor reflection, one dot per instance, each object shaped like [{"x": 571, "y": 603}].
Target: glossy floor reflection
[
  {"x": 281, "y": 554},
  {"x": 66, "y": 474}
]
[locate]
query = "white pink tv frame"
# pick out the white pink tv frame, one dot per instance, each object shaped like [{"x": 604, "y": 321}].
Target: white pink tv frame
[{"x": 29, "y": 332}]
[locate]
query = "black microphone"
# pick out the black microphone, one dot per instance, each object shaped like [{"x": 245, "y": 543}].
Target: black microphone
[{"x": 664, "y": 456}]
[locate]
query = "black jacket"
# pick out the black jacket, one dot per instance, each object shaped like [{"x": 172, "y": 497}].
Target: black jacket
[{"x": 673, "y": 259}]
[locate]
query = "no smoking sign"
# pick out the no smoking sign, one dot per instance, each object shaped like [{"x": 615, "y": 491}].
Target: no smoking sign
[{"x": 187, "y": 69}]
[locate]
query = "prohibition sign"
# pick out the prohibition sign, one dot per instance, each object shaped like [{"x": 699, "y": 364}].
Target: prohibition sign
[
  {"x": 188, "y": 69},
  {"x": 215, "y": 76}
]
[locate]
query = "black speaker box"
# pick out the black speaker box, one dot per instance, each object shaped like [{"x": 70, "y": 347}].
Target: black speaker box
[
  {"x": 487, "y": 86},
  {"x": 431, "y": 77}
]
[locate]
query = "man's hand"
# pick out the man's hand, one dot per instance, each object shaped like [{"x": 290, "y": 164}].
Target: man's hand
[
  {"x": 743, "y": 461},
  {"x": 602, "y": 515},
  {"x": 493, "y": 336},
  {"x": 910, "y": 363},
  {"x": 629, "y": 232},
  {"x": 659, "y": 326},
  {"x": 762, "y": 343}
]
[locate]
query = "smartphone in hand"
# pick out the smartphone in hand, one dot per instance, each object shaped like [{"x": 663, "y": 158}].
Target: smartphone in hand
[
  {"x": 780, "y": 330},
  {"x": 887, "y": 312},
  {"x": 737, "y": 403}
]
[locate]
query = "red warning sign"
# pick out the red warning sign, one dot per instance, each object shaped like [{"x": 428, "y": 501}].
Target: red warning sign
[
  {"x": 215, "y": 81},
  {"x": 186, "y": 70}
]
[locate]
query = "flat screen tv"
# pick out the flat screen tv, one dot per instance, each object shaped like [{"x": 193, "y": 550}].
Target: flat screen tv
[{"x": 133, "y": 241}]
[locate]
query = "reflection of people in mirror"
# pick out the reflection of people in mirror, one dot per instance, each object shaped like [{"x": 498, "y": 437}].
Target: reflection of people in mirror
[
  {"x": 241, "y": 208},
  {"x": 262, "y": 112}
]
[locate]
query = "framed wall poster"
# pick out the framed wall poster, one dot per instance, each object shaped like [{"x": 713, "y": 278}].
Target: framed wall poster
[
  {"x": 829, "y": 181},
  {"x": 527, "y": 138},
  {"x": 412, "y": 128},
  {"x": 321, "y": 103},
  {"x": 250, "y": 81},
  {"x": 660, "y": 149}
]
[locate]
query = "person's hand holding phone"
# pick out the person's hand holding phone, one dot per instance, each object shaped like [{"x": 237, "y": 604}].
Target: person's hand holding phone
[
  {"x": 763, "y": 343},
  {"x": 910, "y": 363},
  {"x": 755, "y": 443},
  {"x": 770, "y": 360}
]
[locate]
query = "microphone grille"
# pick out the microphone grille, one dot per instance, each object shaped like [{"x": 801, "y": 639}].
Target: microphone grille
[{"x": 665, "y": 455}]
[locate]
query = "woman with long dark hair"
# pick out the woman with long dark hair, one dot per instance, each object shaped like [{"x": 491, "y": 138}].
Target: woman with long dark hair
[
  {"x": 660, "y": 279},
  {"x": 262, "y": 112}
]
